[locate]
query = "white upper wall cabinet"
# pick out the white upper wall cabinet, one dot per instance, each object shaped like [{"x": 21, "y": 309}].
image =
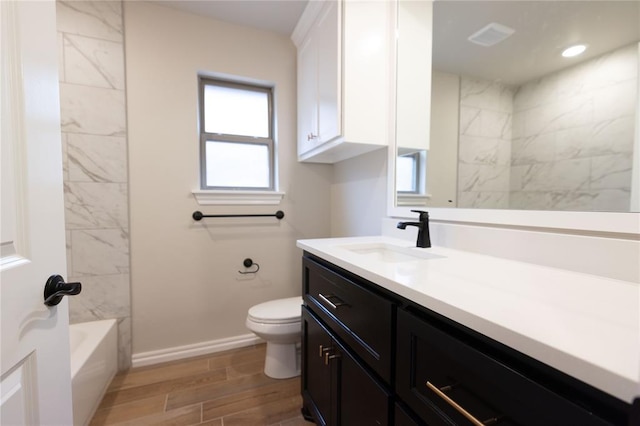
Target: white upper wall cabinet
[{"x": 344, "y": 65}]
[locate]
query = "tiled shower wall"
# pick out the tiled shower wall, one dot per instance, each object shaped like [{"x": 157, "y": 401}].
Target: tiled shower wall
[
  {"x": 562, "y": 142},
  {"x": 573, "y": 136},
  {"x": 94, "y": 139},
  {"x": 484, "y": 146}
]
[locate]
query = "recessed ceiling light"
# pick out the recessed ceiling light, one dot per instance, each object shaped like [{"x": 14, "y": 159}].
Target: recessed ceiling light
[{"x": 575, "y": 50}]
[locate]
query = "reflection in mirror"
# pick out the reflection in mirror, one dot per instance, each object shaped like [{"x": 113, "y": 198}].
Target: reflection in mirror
[
  {"x": 410, "y": 178},
  {"x": 514, "y": 124},
  {"x": 413, "y": 90}
]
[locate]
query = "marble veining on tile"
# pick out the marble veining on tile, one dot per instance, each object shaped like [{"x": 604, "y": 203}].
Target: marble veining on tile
[
  {"x": 97, "y": 158},
  {"x": 102, "y": 296},
  {"x": 96, "y": 205},
  {"x": 486, "y": 151},
  {"x": 125, "y": 349},
  {"x": 100, "y": 19},
  {"x": 485, "y": 199},
  {"x": 93, "y": 62},
  {"x": 92, "y": 110},
  {"x": 611, "y": 172},
  {"x": 484, "y": 143},
  {"x": 100, "y": 252},
  {"x": 570, "y": 134}
]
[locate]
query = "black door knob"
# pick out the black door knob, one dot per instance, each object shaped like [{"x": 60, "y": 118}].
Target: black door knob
[{"x": 56, "y": 288}]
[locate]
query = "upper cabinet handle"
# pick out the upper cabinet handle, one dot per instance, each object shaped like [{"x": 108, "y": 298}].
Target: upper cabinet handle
[{"x": 459, "y": 408}]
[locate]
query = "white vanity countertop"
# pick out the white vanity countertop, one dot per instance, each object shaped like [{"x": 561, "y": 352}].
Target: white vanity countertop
[{"x": 584, "y": 325}]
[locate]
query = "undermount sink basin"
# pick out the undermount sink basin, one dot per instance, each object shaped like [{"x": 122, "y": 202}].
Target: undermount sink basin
[{"x": 390, "y": 253}]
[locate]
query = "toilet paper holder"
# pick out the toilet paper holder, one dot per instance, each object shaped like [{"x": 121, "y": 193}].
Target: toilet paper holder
[{"x": 248, "y": 263}]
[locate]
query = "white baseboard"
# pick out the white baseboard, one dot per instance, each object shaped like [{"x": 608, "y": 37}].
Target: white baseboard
[{"x": 196, "y": 349}]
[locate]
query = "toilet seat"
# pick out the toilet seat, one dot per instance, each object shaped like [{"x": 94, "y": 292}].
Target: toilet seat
[{"x": 281, "y": 311}]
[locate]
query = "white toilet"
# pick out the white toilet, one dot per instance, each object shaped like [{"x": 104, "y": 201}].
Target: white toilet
[{"x": 278, "y": 322}]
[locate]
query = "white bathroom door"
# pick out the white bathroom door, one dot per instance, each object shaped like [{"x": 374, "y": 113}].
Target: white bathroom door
[{"x": 35, "y": 372}]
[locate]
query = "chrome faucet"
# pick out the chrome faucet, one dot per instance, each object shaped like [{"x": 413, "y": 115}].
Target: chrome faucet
[{"x": 424, "y": 240}]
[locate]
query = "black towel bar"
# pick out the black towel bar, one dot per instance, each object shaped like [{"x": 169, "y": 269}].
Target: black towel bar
[{"x": 198, "y": 215}]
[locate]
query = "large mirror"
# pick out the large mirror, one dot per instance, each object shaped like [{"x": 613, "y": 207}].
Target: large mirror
[{"x": 513, "y": 123}]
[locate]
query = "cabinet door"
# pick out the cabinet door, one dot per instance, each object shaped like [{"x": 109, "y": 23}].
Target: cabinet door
[
  {"x": 316, "y": 371},
  {"x": 336, "y": 388},
  {"x": 308, "y": 94},
  {"x": 362, "y": 401},
  {"x": 328, "y": 33},
  {"x": 402, "y": 418}
]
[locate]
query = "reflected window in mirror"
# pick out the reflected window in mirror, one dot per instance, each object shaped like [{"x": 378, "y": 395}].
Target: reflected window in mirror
[
  {"x": 409, "y": 172},
  {"x": 410, "y": 179}
]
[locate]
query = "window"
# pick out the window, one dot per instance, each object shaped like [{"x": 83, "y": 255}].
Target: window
[
  {"x": 236, "y": 136},
  {"x": 409, "y": 164}
]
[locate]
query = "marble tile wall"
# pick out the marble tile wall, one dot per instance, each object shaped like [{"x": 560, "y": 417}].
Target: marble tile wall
[
  {"x": 573, "y": 136},
  {"x": 94, "y": 137},
  {"x": 484, "y": 144},
  {"x": 562, "y": 142}
]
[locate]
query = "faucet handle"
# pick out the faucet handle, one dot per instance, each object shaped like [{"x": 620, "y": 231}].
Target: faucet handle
[{"x": 423, "y": 214}]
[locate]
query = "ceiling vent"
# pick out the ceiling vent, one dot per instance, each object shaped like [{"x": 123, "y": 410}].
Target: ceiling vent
[{"x": 491, "y": 34}]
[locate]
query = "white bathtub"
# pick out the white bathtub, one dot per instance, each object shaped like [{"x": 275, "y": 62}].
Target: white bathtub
[{"x": 94, "y": 362}]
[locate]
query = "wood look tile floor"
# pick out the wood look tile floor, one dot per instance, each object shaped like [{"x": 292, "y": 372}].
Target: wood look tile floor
[{"x": 224, "y": 389}]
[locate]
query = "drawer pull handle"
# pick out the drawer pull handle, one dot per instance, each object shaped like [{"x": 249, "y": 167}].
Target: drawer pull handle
[
  {"x": 455, "y": 405},
  {"x": 333, "y": 305}
]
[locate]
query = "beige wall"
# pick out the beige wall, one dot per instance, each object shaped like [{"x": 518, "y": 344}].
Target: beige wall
[
  {"x": 359, "y": 195},
  {"x": 442, "y": 158},
  {"x": 185, "y": 285}
]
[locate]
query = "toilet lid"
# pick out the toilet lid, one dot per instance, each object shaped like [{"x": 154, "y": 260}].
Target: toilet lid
[{"x": 277, "y": 311}]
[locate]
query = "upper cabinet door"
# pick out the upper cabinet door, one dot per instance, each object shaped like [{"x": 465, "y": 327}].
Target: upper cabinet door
[
  {"x": 327, "y": 32},
  {"x": 307, "y": 95},
  {"x": 344, "y": 63}
]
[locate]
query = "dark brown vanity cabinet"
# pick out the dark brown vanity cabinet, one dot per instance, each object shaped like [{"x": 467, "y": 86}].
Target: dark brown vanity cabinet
[
  {"x": 341, "y": 330},
  {"x": 371, "y": 357}
]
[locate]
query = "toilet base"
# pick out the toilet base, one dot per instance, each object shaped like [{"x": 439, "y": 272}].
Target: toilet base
[{"x": 282, "y": 360}]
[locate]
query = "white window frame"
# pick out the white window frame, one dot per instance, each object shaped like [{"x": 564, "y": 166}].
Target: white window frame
[{"x": 210, "y": 195}]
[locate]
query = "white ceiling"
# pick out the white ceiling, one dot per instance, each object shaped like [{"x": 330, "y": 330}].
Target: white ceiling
[
  {"x": 543, "y": 29},
  {"x": 279, "y": 16}
]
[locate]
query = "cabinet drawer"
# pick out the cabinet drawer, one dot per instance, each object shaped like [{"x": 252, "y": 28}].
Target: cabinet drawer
[
  {"x": 435, "y": 371},
  {"x": 361, "y": 318}
]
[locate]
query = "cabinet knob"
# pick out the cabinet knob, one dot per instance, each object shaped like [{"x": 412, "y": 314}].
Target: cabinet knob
[{"x": 311, "y": 136}]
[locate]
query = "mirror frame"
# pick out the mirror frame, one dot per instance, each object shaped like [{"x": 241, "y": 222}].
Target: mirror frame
[{"x": 627, "y": 223}]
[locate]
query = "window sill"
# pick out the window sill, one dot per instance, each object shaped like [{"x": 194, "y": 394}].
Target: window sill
[
  {"x": 237, "y": 198},
  {"x": 419, "y": 200}
]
